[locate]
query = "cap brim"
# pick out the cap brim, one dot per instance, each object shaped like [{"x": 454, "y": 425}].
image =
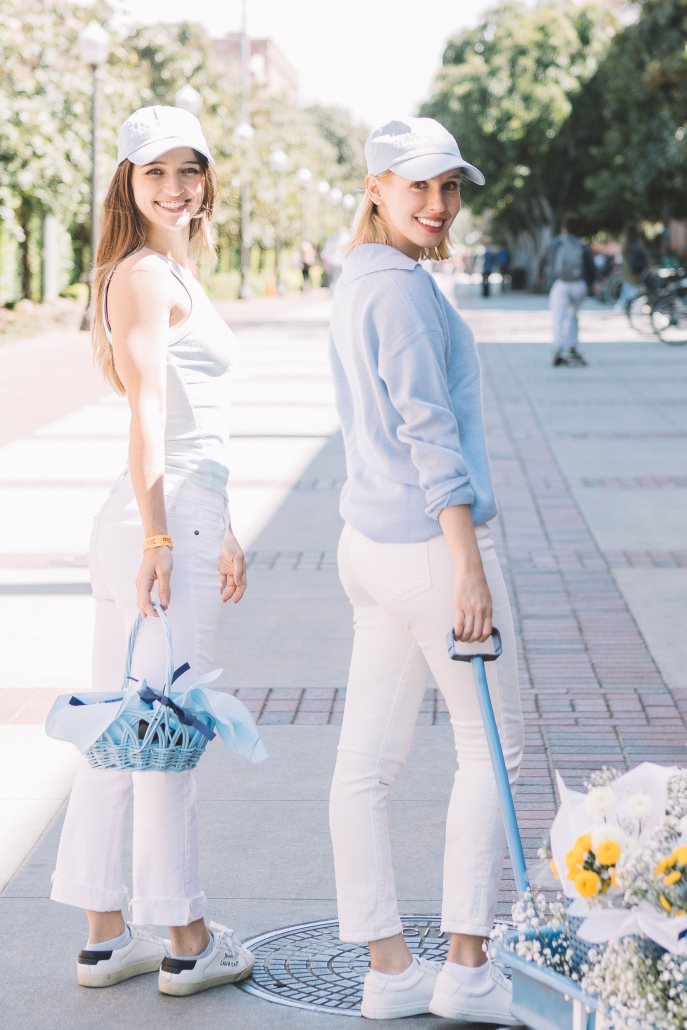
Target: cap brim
[
  {"x": 151, "y": 151},
  {"x": 429, "y": 165}
]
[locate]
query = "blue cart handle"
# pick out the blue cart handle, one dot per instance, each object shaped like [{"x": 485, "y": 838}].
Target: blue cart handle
[{"x": 510, "y": 821}]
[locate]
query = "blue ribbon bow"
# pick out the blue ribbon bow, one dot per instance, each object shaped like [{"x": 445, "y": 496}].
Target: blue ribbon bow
[{"x": 183, "y": 714}]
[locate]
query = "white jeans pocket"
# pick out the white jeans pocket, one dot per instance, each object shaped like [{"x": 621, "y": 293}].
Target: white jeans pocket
[{"x": 398, "y": 570}]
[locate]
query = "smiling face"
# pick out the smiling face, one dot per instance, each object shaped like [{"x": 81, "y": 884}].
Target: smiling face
[
  {"x": 169, "y": 191},
  {"x": 418, "y": 214}
]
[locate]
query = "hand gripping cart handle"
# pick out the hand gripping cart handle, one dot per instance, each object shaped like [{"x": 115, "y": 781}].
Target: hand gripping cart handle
[{"x": 496, "y": 752}]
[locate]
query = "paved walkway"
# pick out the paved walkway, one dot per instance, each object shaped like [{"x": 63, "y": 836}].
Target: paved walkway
[{"x": 590, "y": 468}]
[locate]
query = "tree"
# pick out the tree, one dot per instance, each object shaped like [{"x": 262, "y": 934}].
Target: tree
[
  {"x": 506, "y": 91},
  {"x": 640, "y": 161},
  {"x": 45, "y": 97}
]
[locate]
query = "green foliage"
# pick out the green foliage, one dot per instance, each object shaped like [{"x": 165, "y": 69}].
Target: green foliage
[
  {"x": 506, "y": 91},
  {"x": 45, "y": 129},
  {"x": 640, "y": 162}
]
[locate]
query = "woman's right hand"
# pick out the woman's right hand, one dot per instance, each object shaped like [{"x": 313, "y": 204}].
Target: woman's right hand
[
  {"x": 472, "y": 606},
  {"x": 156, "y": 565}
]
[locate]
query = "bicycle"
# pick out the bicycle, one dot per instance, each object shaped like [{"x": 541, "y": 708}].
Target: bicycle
[
  {"x": 659, "y": 295},
  {"x": 669, "y": 317}
]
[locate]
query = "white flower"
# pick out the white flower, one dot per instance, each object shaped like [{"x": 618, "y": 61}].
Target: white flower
[
  {"x": 601, "y": 802},
  {"x": 608, "y": 831},
  {"x": 639, "y": 807},
  {"x": 682, "y": 824}
]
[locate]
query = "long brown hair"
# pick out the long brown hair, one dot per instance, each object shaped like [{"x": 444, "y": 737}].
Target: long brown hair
[
  {"x": 370, "y": 227},
  {"x": 123, "y": 232}
]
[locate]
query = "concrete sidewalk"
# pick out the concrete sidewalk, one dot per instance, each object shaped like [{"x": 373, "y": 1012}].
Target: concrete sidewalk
[{"x": 590, "y": 469}]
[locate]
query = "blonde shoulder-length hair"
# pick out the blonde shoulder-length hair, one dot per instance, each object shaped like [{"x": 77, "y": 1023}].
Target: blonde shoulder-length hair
[
  {"x": 123, "y": 231},
  {"x": 370, "y": 227}
]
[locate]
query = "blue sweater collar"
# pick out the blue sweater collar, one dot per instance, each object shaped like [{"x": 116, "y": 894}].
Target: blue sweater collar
[{"x": 374, "y": 257}]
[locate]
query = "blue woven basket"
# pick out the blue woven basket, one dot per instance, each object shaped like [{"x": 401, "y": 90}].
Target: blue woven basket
[{"x": 155, "y": 739}]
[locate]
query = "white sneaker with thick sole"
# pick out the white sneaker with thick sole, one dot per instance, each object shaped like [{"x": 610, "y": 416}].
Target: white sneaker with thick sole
[
  {"x": 489, "y": 1003},
  {"x": 143, "y": 954},
  {"x": 227, "y": 963},
  {"x": 391, "y": 999}
]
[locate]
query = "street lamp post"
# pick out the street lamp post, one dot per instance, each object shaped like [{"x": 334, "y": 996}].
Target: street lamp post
[
  {"x": 278, "y": 163},
  {"x": 323, "y": 190},
  {"x": 243, "y": 136},
  {"x": 303, "y": 178},
  {"x": 94, "y": 42}
]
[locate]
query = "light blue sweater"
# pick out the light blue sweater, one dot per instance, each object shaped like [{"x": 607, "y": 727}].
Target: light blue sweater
[{"x": 408, "y": 392}]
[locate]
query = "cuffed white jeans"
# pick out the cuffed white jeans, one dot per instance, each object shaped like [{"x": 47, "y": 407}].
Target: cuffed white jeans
[
  {"x": 564, "y": 301},
  {"x": 166, "y": 877},
  {"x": 402, "y": 599}
]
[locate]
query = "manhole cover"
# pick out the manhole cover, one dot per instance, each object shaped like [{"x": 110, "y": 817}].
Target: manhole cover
[{"x": 308, "y": 967}]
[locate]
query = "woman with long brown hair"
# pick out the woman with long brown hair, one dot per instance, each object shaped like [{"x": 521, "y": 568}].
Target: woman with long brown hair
[{"x": 159, "y": 341}]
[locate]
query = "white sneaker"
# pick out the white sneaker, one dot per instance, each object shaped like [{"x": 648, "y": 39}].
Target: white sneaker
[
  {"x": 227, "y": 963},
  {"x": 489, "y": 1003},
  {"x": 391, "y": 999},
  {"x": 143, "y": 954}
]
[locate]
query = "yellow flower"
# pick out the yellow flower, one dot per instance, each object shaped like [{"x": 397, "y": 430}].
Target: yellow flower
[
  {"x": 680, "y": 855},
  {"x": 613, "y": 879},
  {"x": 607, "y": 852},
  {"x": 665, "y": 863},
  {"x": 584, "y": 842},
  {"x": 587, "y": 883},
  {"x": 554, "y": 870},
  {"x": 681, "y": 912},
  {"x": 672, "y": 878},
  {"x": 574, "y": 858},
  {"x": 665, "y": 903}
]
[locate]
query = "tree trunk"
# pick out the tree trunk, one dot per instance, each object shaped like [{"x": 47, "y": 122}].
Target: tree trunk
[{"x": 24, "y": 221}]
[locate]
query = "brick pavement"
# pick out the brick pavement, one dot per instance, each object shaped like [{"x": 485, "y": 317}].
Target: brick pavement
[{"x": 591, "y": 691}]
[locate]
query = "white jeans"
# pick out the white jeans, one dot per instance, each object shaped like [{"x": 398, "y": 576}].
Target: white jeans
[
  {"x": 402, "y": 598},
  {"x": 564, "y": 301},
  {"x": 166, "y": 878}
]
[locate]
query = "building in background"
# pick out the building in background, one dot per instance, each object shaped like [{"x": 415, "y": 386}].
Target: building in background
[{"x": 268, "y": 66}]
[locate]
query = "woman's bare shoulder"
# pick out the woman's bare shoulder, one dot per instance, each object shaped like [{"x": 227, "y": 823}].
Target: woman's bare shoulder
[
  {"x": 142, "y": 273},
  {"x": 145, "y": 261}
]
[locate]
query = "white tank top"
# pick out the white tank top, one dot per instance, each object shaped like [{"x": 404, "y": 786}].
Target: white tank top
[{"x": 201, "y": 354}]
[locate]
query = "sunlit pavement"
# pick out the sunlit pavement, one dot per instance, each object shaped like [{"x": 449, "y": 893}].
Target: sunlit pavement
[{"x": 590, "y": 470}]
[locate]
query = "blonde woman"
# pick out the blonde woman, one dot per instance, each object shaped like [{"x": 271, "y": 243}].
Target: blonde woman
[
  {"x": 159, "y": 341},
  {"x": 416, "y": 557}
]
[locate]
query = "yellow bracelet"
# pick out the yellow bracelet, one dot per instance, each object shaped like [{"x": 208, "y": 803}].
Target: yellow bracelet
[{"x": 157, "y": 541}]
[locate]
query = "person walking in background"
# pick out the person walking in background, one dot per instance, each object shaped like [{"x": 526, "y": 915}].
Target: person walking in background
[
  {"x": 415, "y": 558},
  {"x": 308, "y": 259},
  {"x": 159, "y": 340},
  {"x": 489, "y": 262},
  {"x": 569, "y": 267},
  {"x": 633, "y": 265},
  {"x": 332, "y": 256}
]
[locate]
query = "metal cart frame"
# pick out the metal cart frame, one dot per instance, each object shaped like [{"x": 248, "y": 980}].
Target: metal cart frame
[{"x": 542, "y": 998}]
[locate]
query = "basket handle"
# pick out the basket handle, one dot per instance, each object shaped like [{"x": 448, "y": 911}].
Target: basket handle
[{"x": 132, "y": 641}]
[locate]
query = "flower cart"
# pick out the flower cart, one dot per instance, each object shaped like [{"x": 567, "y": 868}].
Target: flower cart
[{"x": 614, "y": 954}]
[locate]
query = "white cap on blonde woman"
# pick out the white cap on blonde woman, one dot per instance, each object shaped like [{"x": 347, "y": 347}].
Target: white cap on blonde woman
[
  {"x": 416, "y": 148},
  {"x": 151, "y": 131}
]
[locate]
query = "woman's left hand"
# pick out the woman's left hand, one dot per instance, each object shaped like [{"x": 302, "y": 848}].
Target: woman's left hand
[{"x": 232, "y": 568}]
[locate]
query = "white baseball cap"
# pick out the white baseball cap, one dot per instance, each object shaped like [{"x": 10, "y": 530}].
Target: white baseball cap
[
  {"x": 416, "y": 148},
  {"x": 152, "y": 131}
]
